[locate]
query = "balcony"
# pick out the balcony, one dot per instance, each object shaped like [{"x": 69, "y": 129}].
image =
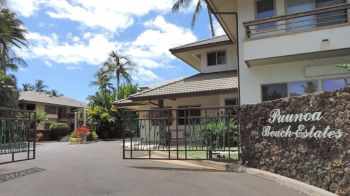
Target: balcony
[{"x": 319, "y": 33}]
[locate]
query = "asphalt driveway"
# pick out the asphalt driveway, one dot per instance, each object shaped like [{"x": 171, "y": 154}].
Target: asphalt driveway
[{"x": 98, "y": 169}]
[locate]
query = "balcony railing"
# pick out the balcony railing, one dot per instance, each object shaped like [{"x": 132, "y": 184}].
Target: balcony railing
[{"x": 299, "y": 21}]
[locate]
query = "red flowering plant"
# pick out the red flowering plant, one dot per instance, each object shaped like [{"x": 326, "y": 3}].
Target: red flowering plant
[{"x": 82, "y": 131}]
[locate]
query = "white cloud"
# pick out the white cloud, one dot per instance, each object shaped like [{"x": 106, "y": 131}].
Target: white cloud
[
  {"x": 151, "y": 48},
  {"x": 25, "y": 7},
  {"x": 143, "y": 75},
  {"x": 218, "y": 29},
  {"x": 110, "y": 15},
  {"x": 51, "y": 49}
]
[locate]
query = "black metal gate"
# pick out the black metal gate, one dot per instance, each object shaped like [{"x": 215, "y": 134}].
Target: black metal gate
[
  {"x": 17, "y": 135},
  {"x": 190, "y": 133}
]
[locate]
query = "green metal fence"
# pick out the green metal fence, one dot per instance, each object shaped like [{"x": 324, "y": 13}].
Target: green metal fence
[
  {"x": 189, "y": 133},
  {"x": 17, "y": 135}
]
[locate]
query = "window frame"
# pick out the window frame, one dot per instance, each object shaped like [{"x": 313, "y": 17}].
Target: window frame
[
  {"x": 216, "y": 55},
  {"x": 56, "y": 113},
  {"x": 324, "y": 79},
  {"x": 288, "y": 87},
  {"x": 185, "y": 108},
  {"x": 256, "y": 15}
]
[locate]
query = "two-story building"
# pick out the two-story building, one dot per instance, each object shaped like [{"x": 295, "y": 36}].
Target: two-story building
[
  {"x": 58, "y": 109},
  {"x": 203, "y": 95},
  {"x": 287, "y": 47}
]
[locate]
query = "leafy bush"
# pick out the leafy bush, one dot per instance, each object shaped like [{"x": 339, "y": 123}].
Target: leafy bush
[
  {"x": 58, "y": 130},
  {"x": 92, "y": 136},
  {"x": 82, "y": 132},
  {"x": 214, "y": 133}
]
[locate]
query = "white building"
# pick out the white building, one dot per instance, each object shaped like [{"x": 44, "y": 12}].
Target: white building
[{"x": 287, "y": 47}]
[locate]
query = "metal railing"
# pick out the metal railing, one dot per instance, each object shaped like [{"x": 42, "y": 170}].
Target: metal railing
[
  {"x": 183, "y": 133},
  {"x": 316, "y": 18},
  {"x": 17, "y": 135}
]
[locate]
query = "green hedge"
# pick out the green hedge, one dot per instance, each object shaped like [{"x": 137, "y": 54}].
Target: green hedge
[{"x": 58, "y": 130}]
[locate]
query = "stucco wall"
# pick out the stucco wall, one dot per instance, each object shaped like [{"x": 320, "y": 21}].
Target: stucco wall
[
  {"x": 251, "y": 78},
  {"x": 232, "y": 61},
  {"x": 321, "y": 157}
]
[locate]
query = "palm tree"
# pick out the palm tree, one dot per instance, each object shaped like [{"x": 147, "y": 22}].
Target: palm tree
[
  {"x": 11, "y": 33},
  {"x": 11, "y": 63},
  {"x": 39, "y": 86},
  {"x": 119, "y": 67},
  {"x": 55, "y": 93},
  {"x": 102, "y": 80},
  {"x": 199, "y": 5},
  {"x": 126, "y": 90},
  {"x": 27, "y": 87}
]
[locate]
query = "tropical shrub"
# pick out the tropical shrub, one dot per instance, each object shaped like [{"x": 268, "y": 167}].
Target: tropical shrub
[
  {"x": 214, "y": 133},
  {"x": 92, "y": 136},
  {"x": 58, "y": 130},
  {"x": 82, "y": 132}
]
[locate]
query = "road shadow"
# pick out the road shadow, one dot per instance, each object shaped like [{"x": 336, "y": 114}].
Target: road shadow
[
  {"x": 18, "y": 174},
  {"x": 175, "y": 169}
]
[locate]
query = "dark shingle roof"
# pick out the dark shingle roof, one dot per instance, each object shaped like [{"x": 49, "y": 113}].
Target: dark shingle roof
[
  {"x": 199, "y": 84},
  {"x": 224, "y": 39},
  {"x": 49, "y": 99}
]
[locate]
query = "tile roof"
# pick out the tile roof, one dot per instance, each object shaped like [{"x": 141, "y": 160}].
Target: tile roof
[
  {"x": 199, "y": 84},
  {"x": 224, "y": 39},
  {"x": 31, "y": 96}
]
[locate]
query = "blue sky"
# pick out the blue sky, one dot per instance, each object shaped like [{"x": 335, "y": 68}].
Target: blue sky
[{"x": 69, "y": 39}]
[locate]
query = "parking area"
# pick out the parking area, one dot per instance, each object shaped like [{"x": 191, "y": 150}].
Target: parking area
[{"x": 98, "y": 169}]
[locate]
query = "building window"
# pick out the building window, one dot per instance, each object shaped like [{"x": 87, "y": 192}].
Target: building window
[
  {"x": 230, "y": 111},
  {"x": 162, "y": 117},
  {"x": 30, "y": 107},
  {"x": 303, "y": 88},
  {"x": 50, "y": 109},
  {"x": 265, "y": 9},
  {"x": 216, "y": 58},
  {"x": 281, "y": 90},
  {"x": 330, "y": 18},
  {"x": 274, "y": 91},
  {"x": 333, "y": 84},
  {"x": 188, "y": 116},
  {"x": 296, "y": 6}
]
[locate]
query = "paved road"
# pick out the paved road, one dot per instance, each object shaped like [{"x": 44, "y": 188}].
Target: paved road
[{"x": 98, "y": 169}]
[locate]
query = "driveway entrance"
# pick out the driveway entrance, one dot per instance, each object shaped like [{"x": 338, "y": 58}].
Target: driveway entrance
[{"x": 98, "y": 169}]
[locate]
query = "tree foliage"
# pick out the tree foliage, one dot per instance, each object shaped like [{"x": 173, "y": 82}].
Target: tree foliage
[
  {"x": 103, "y": 117},
  {"x": 184, "y": 4},
  {"x": 8, "y": 91}
]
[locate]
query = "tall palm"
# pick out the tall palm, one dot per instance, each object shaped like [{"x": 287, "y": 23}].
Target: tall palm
[
  {"x": 11, "y": 33},
  {"x": 55, "y": 93},
  {"x": 119, "y": 67},
  {"x": 199, "y": 5},
  {"x": 39, "y": 86},
  {"x": 102, "y": 80},
  {"x": 27, "y": 87},
  {"x": 11, "y": 63}
]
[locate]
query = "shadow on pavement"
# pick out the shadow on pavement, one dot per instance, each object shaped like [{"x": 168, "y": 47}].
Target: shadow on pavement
[
  {"x": 174, "y": 169},
  {"x": 18, "y": 174}
]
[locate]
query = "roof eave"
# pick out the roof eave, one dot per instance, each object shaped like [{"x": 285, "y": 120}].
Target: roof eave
[{"x": 183, "y": 95}]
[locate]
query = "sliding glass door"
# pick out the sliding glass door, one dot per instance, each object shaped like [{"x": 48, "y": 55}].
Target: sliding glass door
[
  {"x": 295, "y": 6},
  {"x": 331, "y": 18}
]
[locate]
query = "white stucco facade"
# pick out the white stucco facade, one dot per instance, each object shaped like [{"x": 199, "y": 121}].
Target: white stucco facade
[{"x": 288, "y": 47}]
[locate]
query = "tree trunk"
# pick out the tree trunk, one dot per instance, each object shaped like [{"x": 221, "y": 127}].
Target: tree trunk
[{"x": 211, "y": 23}]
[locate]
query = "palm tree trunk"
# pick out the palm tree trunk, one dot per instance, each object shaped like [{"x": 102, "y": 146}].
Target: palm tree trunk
[{"x": 211, "y": 23}]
